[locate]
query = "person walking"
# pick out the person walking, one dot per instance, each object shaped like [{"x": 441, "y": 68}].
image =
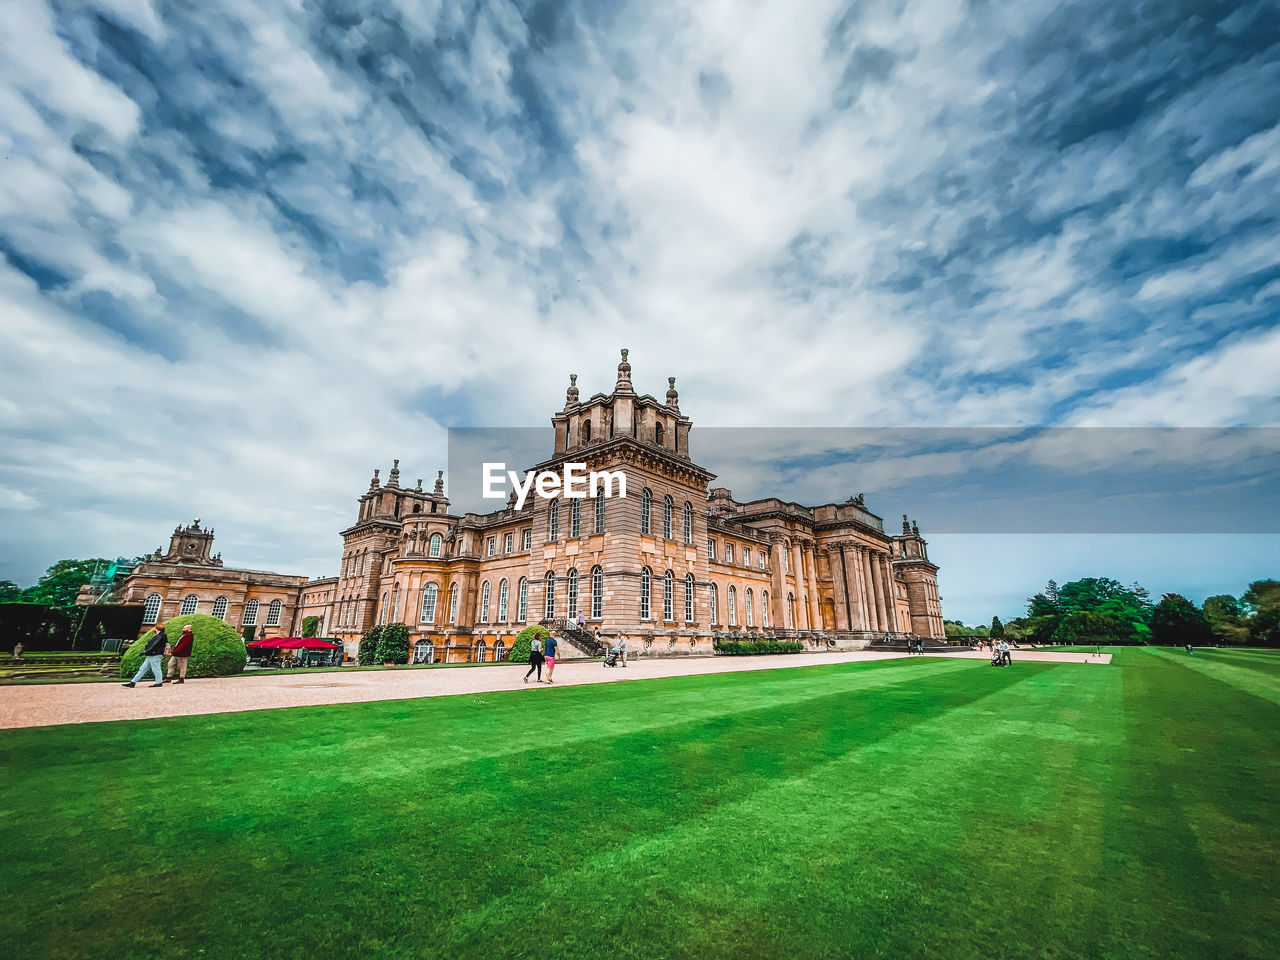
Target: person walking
[
  {"x": 180, "y": 655},
  {"x": 535, "y": 659},
  {"x": 152, "y": 656},
  {"x": 622, "y": 648},
  {"x": 550, "y": 648},
  {"x": 582, "y": 622},
  {"x": 920, "y": 646},
  {"x": 1004, "y": 653}
]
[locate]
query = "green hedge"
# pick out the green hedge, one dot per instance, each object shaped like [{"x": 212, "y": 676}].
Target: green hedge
[
  {"x": 218, "y": 650},
  {"x": 739, "y": 648},
  {"x": 524, "y": 642},
  {"x": 393, "y": 644},
  {"x": 368, "y": 654},
  {"x": 310, "y": 626}
]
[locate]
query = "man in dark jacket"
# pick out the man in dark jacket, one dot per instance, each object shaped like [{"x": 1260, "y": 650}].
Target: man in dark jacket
[
  {"x": 181, "y": 653},
  {"x": 152, "y": 655}
]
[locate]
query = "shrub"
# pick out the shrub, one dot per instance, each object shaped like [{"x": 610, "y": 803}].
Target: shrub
[
  {"x": 746, "y": 648},
  {"x": 393, "y": 644},
  {"x": 218, "y": 650},
  {"x": 524, "y": 643},
  {"x": 368, "y": 654},
  {"x": 310, "y": 626}
]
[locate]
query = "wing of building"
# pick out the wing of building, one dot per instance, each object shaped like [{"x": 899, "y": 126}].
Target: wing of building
[{"x": 674, "y": 565}]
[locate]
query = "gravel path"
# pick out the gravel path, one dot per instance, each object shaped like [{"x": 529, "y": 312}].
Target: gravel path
[{"x": 51, "y": 704}]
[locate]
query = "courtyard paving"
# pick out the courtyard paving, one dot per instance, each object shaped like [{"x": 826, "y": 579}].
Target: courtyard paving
[{"x": 53, "y": 704}]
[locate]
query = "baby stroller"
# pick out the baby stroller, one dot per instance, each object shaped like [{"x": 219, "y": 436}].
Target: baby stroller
[
  {"x": 997, "y": 658},
  {"x": 611, "y": 658}
]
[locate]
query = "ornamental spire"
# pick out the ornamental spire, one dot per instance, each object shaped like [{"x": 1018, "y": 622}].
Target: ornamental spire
[
  {"x": 373, "y": 484},
  {"x": 673, "y": 397},
  {"x": 394, "y": 479},
  {"x": 624, "y": 375},
  {"x": 439, "y": 482},
  {"x": 571, "y": 395}
]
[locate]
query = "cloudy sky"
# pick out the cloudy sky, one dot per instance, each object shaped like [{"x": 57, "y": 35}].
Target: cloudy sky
[{"x": 252, "y": 250}]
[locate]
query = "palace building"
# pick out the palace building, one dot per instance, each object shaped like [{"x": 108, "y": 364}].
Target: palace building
[{"x": 675, "y": 564}]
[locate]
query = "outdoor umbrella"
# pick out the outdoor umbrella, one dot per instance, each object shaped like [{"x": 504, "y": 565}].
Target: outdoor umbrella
[{"x": 306, "y": 644}]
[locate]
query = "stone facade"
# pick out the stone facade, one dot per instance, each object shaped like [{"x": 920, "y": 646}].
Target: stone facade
[{"x": 674, "y": 564}]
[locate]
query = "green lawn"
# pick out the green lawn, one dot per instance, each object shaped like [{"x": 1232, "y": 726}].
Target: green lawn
[{"x": 909, "y": 808}]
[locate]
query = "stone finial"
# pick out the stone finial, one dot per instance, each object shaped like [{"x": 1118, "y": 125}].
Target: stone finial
[
  {"x": 915, "y": 528},
  {"x": 673, "y": 397},
  {"x": 624, "y": 375},
  {"x": 394, "y": 479},
  {"x": 439, "y": 482},
  {"x": 373, "y": 484},
  {"x": 906, "y": 527},
  {"x": 418, "y": 488},
  {"x": 571, "y": 395}
]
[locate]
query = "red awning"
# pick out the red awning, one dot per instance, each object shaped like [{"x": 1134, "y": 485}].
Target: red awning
[
  {"x": 305, "y": 644},
  {"x": 269, "y": 644}
]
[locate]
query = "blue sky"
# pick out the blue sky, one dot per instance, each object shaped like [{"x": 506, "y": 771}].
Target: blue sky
[{"x": 250, "y": 250}]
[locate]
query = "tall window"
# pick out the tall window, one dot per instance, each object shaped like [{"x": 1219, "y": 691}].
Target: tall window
[
  {"x": 273, "y": 613},
  {"x": 481, "y": 649},
  {"x": 151, "y": 612},
  {"x": 190, "y": 604},
  {"x": 434, "y": 550},
  {"x": 575, "y": 520},
  {"x": 586, "y": 430},
  {"x": 645, "y": 506},
  {"x": 688, "y": 522},
  {"x": 492, "y": 546},
  {"x": 507, "y": 543},
  {"x": 746, "y": 556},
  {"x": 751, "y": 617},
  {"x": 668, "y": 596},
  {"x": 549, "y": 604},
  {"x": 220, "y": 608},
  {"x": 646, "y": 584},
  {"x": 250, "y": 618},
  {"x": 728, "y": 553},
  {"x": 572, "y": 591},
  {"x": 786, "y": 559},
  {"x": 688, "y": 598},
  {"x": 453, "y": 604},
  {"x": 764, "y": 608},
  {"x": 657, "y": 434},
  {"x": 599, "y": 512},
  {"x": 597, "y": 593},
  {"x": 715, "y": 603},
  {"x": 499, "y": 652},
  {"x": 429, "y": 593},
  {"x": 528, "y": 539},
  {"x": 791, "y": 611},
  {"x": 484, "y": 602},
  {"x": 666, "y": 518},
  {"x": 382, "y": 618},
  {"x": 503, "y": 589},
  {"x": 522, "y": 601},
  {"x": 395, "y": 605},
  {"x": 733, "y": 606},
  {"x": 553, "y": 522},
  {"x": 762, "y": 559},
  {"x": 711, "y": 549}
]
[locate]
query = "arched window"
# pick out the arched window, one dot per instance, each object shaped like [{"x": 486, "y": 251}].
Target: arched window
[
  {"x": 646, "y": 579},
  {"x": 573, "y": 593},
  {"x": 597, "y": 593},
  {"x": 250, "y": 618},
  {"x": 549, "y": 603},
  {"x": 151, "y": 612},
  {"x": 190, "y": 604},
  {"x": 522, "y": 601},
  {"x": 499, "y": 652},
  {"x": 791, "y": 611},
  {"x": 481, "y": 650},
  {"x": 688, "y": 598},
  {"x": 220, "y": 608},
  {"x": 417, "y": 508},
  {"x": 666, "y": 518},
  {"x": 764, "y": 608},
  {"x": 503, "y": 589},
  {"x": 453, "y": 604},
  {"x": 599, "y": 512},
  {"x": 382, "y": 617},
  {"x": 688, "y": 522},
  {"x": 575, "y": 520},
  {"x": 668, "y": 596},
  {"x": 657, "y": 434},
  {"x": 645, "y": 505},
  {"x": 273, "y": 613},
  {"x": 715, "y": 603},
  {"x": 586, "y": 430},
  {"x": 751, "y": 617},
  {"x": 424, "y": 652},
  {"x": 429, "y": 603},
  {"x": 395, "y": 605},
  {"x": 733, "y": 606},
  {"x": 484, "y": 602},
  {"x": 434, "y": 549},
  {"x": 553, "y": 522}
]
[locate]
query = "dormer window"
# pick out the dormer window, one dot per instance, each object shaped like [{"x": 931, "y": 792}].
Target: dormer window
[{"x": 657, "y": 434}]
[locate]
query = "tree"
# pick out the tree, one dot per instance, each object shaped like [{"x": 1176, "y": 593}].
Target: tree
[
  {"x": 1225, "y": 616},
  {"x": 997, "y": 628},
  {"x": 954, "y": 628},
  {"x": 1085, "y": 627},
  {"x": 367, "y": 656},
  {"x": 310, "y": 626},
  {"x": 393, "y": 644},
  {"x": 1051, "y": 592},
  {"x": 10, "y": 592},
  {"x": 1041, "y": 606},
  {"x": 1175, "y": 621},
  {"x": 1262, "y": 602},
  {"x": 61, "y": 582},
  {"x": 1106, "y": 596}
]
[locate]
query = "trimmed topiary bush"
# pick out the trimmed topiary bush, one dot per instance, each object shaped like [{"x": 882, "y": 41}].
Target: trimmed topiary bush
[
  {"x": 524, "y": 643},
  {"x": 746, "y": 648},
  {"x": 310, "y": 627},
  {"x": 393, "y": 644},
  {"x": 368, "y": 652},
  {"x": 218, "y": 650}
]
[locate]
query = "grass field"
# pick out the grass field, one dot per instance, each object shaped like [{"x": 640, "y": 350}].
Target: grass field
[{"x": 907, "y": 808}]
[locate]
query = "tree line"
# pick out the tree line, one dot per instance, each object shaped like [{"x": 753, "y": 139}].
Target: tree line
[{"x": 1102, "y": 610}]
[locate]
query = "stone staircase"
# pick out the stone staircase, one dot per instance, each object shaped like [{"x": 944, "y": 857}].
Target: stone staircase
[{"x": 569, "y": 631}]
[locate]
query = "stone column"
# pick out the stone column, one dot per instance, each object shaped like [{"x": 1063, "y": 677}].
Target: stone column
[
  {"x": 877, "y": 579},
  {"x": 815, "y": 605},
  {"x": 777, "y": 589},
  {"x": 891, "y": 600},
  {"x": 836, "y": 561},
  {"x": 797, "y": 580},
  {"x": 864, "y": 576}
]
